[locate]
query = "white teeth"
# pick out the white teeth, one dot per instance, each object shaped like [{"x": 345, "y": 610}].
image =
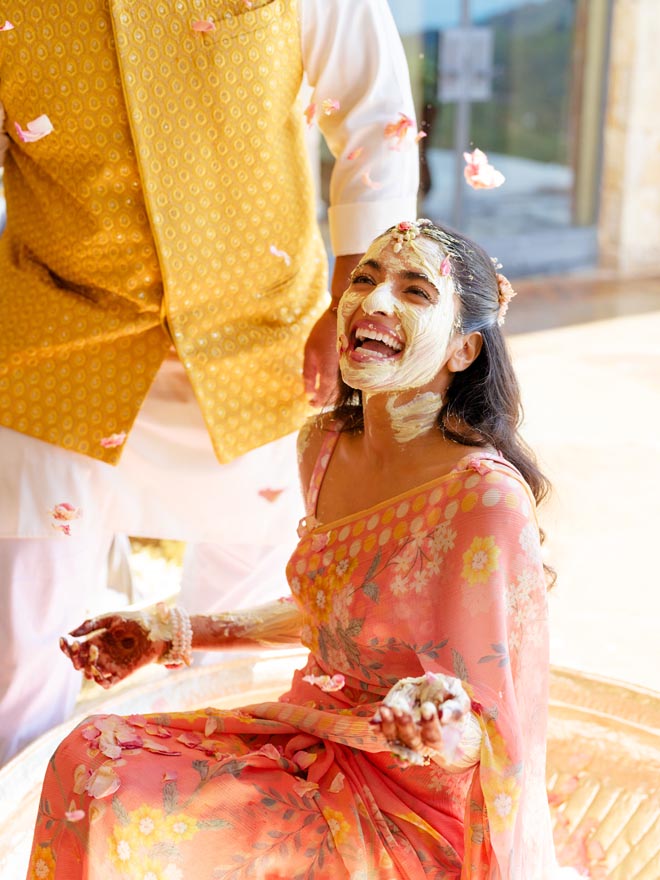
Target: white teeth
[{"x": 386, "y": 338}]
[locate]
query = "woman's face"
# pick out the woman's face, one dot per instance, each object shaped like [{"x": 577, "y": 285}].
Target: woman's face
[{"x": 396, "y": 318}]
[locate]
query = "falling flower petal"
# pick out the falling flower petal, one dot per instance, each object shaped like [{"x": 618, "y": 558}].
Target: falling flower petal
[
  {"x": 113, "y": 440},
  {"x": 479, "y": 173},
  {"x": 7, "y": 26},
  {"x": 398, "y": 130},
  {"x": 420, "y": 136},
  {"x": 337, "y": 783},
  {"x": 270, "y": 494},
  {"x": 103, "y": 782},
  {"x": 310, "y": 113},
  {"x": 304, "y": 787},
  {"x": 65, "y": 512},
  {"x": 204, "y": 26},
  {"x": 330, "y": 106},
  {"x": 445, "y": 266},
  {"x": 35, "y": 130},
  {"x": 355, "y": 154},
  {"x": 276, "y": 252},
  {"x": 327, "y": 683},
  {"x": 367, "y": 181}
]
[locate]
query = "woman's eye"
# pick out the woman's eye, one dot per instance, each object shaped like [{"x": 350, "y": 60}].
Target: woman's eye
[
  {"x": 362, "y": 279},
  {"x": 418, "y": 291}
]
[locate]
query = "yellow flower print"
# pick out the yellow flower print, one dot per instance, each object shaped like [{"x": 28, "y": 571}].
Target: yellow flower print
[
  {"x": 502, "y": 796},
  {"x": 42, "y": 866},
  {"x": 339, "y": 827},
  {"x": 147, "y": 823},
  {"x": 181, "y": 827},
  {"x": 480, "y": 560}
]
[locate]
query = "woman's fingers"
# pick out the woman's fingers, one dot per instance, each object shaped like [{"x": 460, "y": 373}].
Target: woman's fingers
[
  {"x": 430, "y": 727},
  {"x": 93, "y": 624}
]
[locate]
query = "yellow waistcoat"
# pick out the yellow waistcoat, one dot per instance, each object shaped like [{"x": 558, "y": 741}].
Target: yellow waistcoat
[{"x": 172, "y": 201}]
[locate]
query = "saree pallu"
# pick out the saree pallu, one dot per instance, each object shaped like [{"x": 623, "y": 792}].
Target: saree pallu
[{"x": 446, "y": 577}]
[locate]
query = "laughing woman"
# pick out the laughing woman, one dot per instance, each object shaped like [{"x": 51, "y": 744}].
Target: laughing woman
[{"x": 412, "y": 745}]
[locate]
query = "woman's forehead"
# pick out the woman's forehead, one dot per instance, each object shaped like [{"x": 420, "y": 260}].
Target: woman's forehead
[{"x": 422, "y": 254}]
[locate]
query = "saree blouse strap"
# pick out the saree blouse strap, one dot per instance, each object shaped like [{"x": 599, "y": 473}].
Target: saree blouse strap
[{"x": 328, "y": 444}]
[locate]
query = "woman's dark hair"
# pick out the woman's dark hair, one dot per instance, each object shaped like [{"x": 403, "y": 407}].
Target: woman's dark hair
[{"x": 482, "y": 405}]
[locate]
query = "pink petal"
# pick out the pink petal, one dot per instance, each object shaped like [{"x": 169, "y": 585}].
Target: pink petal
[
  {"x": 445, "y": 266},
  {"x": 103, "y": 782},
  {"x": 80, "y": 777},
  {"x": 303, "y": 787},
  {"x": 157, "y": 730},
  {"x": 66, "y": 512},
  {"x": 367, "y": 181},
  {"x": 7, "y": 26},
  {"x": 270, "y": 751},
  {"x": 355, "y": 154},
  {"x": 270, "y": 494},
  {"x": 476, "y": 157},
  {"x": 35, "y": 130},
  {"x": 73, "y": 815},
  {"x": 137, "y": 720},
  {"x": 113, "y": 440},
  {"x": 190, "y": 739},
  {"x": 211, "y": 725},
  {"x": 150, "y": 745},
  {"x": 337, "y": 783},
  {"x": 420, "y": 136},
  {"x": 310, "y": 113},
  {"x": 330, "y": 106},
  {"x": 204, "y": 26},
  {"x": 320, "y": 541},
  {"x": 92, "y": 732},
  {"x": 276, "y": 252},
  {"x": 304, "y": 759},
  {"x": 336, "y": 683}
]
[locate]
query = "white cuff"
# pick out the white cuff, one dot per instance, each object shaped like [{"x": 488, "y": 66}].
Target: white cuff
[{"x": 353, "y": 227}]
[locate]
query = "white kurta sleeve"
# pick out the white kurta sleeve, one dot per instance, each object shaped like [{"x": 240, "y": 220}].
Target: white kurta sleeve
[{"x": 352, "y": 53}]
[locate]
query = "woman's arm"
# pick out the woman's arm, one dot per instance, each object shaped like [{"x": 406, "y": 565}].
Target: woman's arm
[{"x": 108, "y": 649}]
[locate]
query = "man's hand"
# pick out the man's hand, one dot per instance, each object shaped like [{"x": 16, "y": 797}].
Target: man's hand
[
  {"x": 114, "y": 647},
  {"x": 321, "y": 359}
]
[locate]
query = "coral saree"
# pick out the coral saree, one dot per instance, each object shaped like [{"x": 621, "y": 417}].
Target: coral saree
[{"x": 446, "y": 577}]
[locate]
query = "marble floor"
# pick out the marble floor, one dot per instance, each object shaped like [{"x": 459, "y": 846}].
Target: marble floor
[{"x": 587, "y": 352}]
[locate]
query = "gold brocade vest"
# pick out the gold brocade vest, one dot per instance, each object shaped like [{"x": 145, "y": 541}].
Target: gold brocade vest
[{"x": 171, "y": 202}]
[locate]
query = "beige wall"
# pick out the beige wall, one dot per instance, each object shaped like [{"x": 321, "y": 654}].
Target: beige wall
[{"x": 629, "y": 227}]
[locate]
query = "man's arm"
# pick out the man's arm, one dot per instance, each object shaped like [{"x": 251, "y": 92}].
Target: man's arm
[{"x": 362, "y": 66}]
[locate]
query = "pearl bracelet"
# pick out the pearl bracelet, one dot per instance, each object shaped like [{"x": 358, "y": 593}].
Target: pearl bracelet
[{"x": 180, "y": 652}]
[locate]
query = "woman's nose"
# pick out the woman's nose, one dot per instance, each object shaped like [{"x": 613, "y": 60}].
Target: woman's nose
[{"x": 379, "y": 301}]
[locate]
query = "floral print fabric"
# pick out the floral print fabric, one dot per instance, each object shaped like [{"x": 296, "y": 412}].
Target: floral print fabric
[{"x": 445, "y": 578}]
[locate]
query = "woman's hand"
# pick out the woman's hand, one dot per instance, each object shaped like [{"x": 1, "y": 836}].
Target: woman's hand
[
  {"x": 424, "y": 718},
  {"x": 112, "y": 648}
]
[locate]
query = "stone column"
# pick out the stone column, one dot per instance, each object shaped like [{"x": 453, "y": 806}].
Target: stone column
[{"x": 629, "y": 224}]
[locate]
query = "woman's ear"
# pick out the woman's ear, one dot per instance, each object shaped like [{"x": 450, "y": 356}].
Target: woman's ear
[{"x": 465, "y": 350}]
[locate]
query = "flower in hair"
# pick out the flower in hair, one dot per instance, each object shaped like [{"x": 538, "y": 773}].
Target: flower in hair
[
  {"x": 505, "y": 293},
  {"x": 404, "y": 233}
]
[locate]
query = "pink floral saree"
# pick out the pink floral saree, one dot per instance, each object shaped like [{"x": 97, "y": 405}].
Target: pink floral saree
[{"x": 446, "y": 577}]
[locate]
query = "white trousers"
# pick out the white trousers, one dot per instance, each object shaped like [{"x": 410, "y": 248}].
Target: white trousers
[{"x": 167, "y": 485}]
